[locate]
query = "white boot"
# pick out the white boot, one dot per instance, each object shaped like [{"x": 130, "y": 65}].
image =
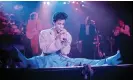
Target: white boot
[{"x": 113, "y": 60}]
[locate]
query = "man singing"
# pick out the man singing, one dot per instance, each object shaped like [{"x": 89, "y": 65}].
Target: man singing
[{"x": 55, "y": 44}]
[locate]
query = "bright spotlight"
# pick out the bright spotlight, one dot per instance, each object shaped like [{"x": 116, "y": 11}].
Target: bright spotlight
[
  {"x": 64, "y": 2},
  {"x": 44, "y": 2},
  {"x": 48, "y": 3},
  {"x": 83, "y": 5},
  {"x": 18, "y": 7},
  {"x": 76, "y": 9},
  {"x": 73, "y": 2}
]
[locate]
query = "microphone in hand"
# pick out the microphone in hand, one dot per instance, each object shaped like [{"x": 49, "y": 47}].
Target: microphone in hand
[{"x": 63, "y": 35}]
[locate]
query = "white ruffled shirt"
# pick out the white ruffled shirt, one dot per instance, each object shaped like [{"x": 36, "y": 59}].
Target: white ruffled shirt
[{"x": 49, "y": 43}]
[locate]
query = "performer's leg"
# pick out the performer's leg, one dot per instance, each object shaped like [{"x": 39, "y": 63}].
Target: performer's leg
[
  {"x": 31, "y": 62},
  {"x": 113, "y": 60},
  {"x": 22, "y": 58},
  {"x": 27, "y": 46}
]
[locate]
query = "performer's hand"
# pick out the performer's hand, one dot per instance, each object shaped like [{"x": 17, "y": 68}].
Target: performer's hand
[
  {"x": 125, "y": 31},
  {"x": 63, "y": 38},
  {"x": 62, "y": 35},
  {"x": 121, "y": 30},
  {"x": 63, "y": 31}
]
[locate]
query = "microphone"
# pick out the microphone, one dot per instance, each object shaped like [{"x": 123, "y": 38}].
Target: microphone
[
  {"x": 60, "y": 33},
  {"x": 64, "y": 39}
]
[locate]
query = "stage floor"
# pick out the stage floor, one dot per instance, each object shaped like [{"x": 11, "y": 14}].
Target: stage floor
[{"x": 119, "y": 72}]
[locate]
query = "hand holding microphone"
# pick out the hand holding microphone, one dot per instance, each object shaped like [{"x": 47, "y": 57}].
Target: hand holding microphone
[{"x": 62, "y": 35}]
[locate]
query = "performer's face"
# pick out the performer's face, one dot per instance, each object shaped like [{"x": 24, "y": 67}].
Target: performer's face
[
  {"x": 59, "y": 24},
  {"x": 34, "y": 16},
  {"x": 87, "y": 21},
  {"x": 121, "y": 23}
]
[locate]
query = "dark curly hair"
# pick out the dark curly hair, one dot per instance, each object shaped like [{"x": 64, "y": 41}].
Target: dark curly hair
[{"x": 60, "y": 16}]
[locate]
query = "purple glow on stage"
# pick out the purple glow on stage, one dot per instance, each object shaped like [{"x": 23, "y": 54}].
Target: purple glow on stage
[{"x": 103, "y": 15}]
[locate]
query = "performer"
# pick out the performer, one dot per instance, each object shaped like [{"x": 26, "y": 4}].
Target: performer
[
  {"x": 32, "y": 32},
  {"x": 55, "y": 44},
  {"x": 86, "y": 38},
  {"x": 122, "y": 41}
]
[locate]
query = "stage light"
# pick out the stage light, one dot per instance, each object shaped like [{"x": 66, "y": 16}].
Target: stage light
[
  {"x": 77, "y": 3},
  {"x": 64, "y": 2},
  {"x": 44, "y": 2},
  {"x": 76, "y": 9},
  {"x": 73, "y": 2},
  {"x": 83, "y": 5},
  {"x": 48, "y": 3},
  {"x": 18, "y": 7}
]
